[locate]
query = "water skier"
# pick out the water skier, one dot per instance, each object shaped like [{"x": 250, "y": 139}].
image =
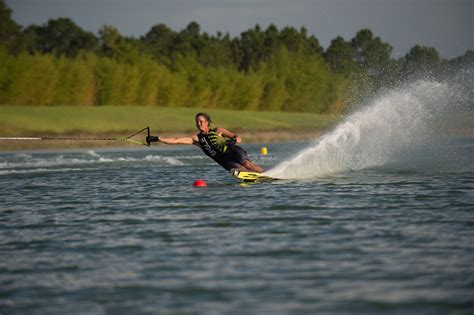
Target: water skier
[{"x": 217, "y": 143}]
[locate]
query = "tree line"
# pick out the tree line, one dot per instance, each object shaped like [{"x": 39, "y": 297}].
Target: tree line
[{"x": 59, "y": 63}]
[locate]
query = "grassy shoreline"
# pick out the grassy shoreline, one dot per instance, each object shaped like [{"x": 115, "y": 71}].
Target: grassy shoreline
[{"x": 119, "y": 121}]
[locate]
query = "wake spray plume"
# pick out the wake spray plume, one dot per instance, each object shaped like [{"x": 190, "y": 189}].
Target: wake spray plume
[{"x": 385, "y": 132}]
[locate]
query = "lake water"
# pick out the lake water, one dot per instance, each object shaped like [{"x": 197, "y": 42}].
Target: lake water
[
  {"x": 376, "y": 217},
  {"x": 125, "y": 232}
]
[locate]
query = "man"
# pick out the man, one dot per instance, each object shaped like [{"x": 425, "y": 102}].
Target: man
[{"x": 217, "y": 143}]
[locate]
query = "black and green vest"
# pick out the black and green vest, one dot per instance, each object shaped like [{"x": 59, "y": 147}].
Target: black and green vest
[{"x": 214, "y": 146}]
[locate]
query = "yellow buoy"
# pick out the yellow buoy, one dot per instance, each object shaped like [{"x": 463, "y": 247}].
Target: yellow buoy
[{"x": 263, "y": 151}]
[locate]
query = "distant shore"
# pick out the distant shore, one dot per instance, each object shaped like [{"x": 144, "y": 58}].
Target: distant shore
[
  {"x": 121, "y": 121},
  {"x": 266, "y": 136}
]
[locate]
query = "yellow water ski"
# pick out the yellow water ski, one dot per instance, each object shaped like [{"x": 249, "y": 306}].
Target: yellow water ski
[{"x": 251, "y": 177}]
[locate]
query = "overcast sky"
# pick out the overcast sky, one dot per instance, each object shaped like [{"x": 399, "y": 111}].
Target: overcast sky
[{"x": 446, "y": 25}]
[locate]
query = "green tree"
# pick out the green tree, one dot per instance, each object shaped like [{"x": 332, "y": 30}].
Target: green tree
[
  {"x": 292, "y": 39},
  {"x": 248, "y": 91},
  {"x": 307, "y": 82},
  {"x": 274, "y": 93},
  {"x": 314, "y": 46},
  {"x": 28, "y": 40},
  {"x": 5, "y": 79},
  {"x": 160, "y": 40},
  {"x": 222, "y": 86},
  {"x": 63, "y": 37},
  {"x": 253, "y": 49},
  {"x": 298, "y": 41},
  {"x": 421, "y": 61},
  {"x": 110, "y": 81},
  {"x": 373, "y": 55},
  {"x": 76, "y": 82},
  {"x": 114, "y": 45},
  {"x": 9, "y": 29},
  {"x": 109, "y": 38},
  {"x": 216, "y": 52},
  {"x": 189, "y": 41},
  {"x": 33, "y": 80},
  {"x": 173, "y": 86},
  {"x": 148, "y": 87},
  {"x": 339, "y": 56}
]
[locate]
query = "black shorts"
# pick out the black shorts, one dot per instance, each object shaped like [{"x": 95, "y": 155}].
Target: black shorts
[{"x": 236, "y": 157}]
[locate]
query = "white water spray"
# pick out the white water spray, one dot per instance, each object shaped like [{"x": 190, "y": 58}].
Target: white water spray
[{"x": 388, "y": 129}]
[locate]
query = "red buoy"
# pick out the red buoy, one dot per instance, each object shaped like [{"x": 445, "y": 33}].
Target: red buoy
[{"x": 199, "y": 183}]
